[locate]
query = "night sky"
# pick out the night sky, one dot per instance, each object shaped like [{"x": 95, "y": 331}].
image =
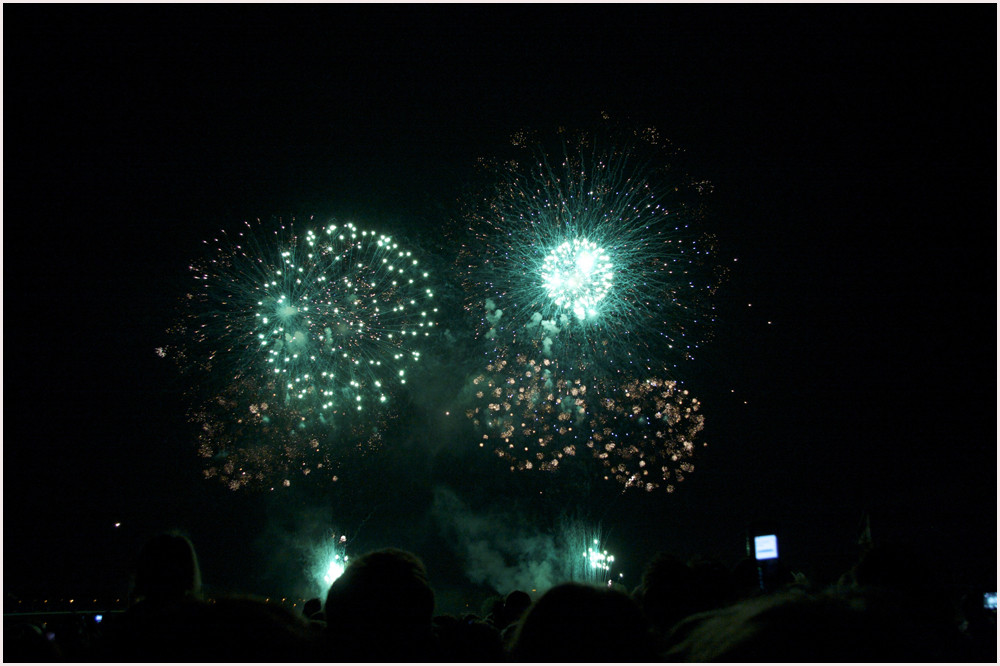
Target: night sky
[{"x": 852, "y": 151}]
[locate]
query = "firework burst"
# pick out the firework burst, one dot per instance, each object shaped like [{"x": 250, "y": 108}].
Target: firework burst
[
  {"x": 640, "y": 434},
  {"x": 296, "y": 334},
  {"x": 327, "y": 318},
  {"x": 589, "y": 282},
  {"x": 248, "y": 443},
  {"x": 590, "y": 259},
  {"x": 645, "y": 434}
]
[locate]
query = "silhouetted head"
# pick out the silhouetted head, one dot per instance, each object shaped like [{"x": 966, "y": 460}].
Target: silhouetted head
[
  {"x": 514, "y": 605},
  {"x": 167, "y": 569},
  {"x": 312, "y": 608},
  {"x": 582, "y": 623},
  {"x": 382, "y": 602},
  {"x": 667, "y": 590},
  {"x": 795, "y": 626},
  {"x": 492, "y": 610},
  {"x": 711, "y": 579}
]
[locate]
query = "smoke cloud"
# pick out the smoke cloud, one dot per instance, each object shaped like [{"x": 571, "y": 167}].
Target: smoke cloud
[{"x": 505, "y": 556}]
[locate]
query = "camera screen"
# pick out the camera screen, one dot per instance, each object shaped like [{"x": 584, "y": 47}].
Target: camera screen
[
  {"x": 990, "y": 600},
  {"x": 766, "y": 547}
]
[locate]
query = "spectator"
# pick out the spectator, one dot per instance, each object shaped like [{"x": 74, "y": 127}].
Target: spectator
[
  {"x": 907, "y": 584},
  {"x": 512, "y": 610},
  {"x": 313, "y": 609},
  {"x": 514, "y": 606},
  {"x": 468, "y": 640},
  {"x": 227, "y": 629},
  {"x": 246, "y": 629},
  {"x": 27, "y": 642},
  {"x": 167, "y": 570},
  {"x": 169, "y": 620},
  {"x": 381, "y": 609},
  {"x": 794, "y": 626},
  {"x": 164, "y": 621},
  {"x": 581, "y": 623},
  {"x": 666, "y": 592},
  {"x": 492, "y": 610}
]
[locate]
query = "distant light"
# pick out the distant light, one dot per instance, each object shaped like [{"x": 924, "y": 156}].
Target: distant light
[{"x": 766, "y": 547}]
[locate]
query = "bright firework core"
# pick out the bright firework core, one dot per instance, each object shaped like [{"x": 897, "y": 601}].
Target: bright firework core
[
  {"x": 335, "y": 569},
  {"x": 599, "y": 559},
  {"x": 577, "y": 275},
  {"x": 287, "y": 311},
  {"x": 327, "y": 563}
]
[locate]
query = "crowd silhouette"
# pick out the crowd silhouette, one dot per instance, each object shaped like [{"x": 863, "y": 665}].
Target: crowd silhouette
[{"x": 889, "y": 607}]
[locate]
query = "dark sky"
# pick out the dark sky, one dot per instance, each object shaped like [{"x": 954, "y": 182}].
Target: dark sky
[{"x": 852, "y": 149}]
